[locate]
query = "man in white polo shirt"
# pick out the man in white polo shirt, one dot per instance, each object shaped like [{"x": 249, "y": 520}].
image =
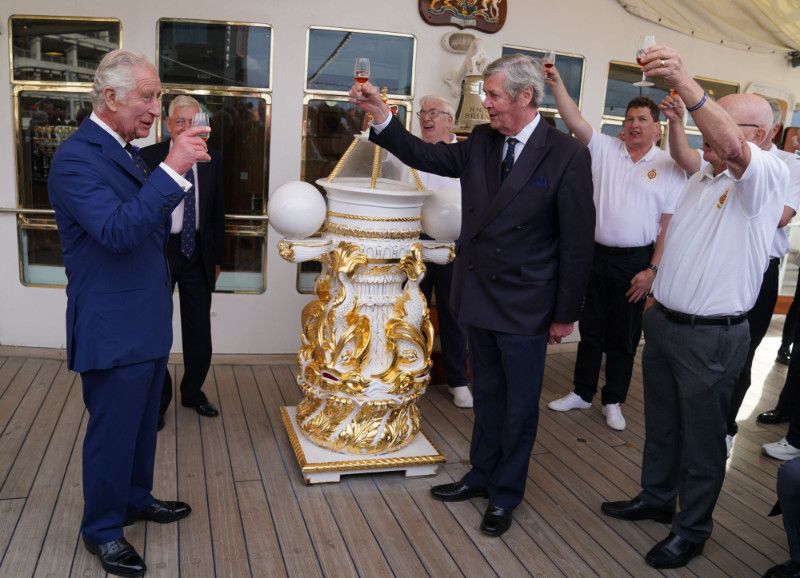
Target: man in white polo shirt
[
  {"x": 760, "y": 315},
  {"x": 636, "y": 187},
  {"x": 696, "y": 332}
]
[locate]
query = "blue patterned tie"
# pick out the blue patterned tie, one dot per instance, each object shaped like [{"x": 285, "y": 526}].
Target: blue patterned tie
[
  {"x": 189, "y": 219},
  {"x": 508, "y": 161},
  {"x": 137, "y": 159}
]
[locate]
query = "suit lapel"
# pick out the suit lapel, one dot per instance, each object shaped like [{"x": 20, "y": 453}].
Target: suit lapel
[
  {"x": 521, "y": 172},
  {"x": 492, "y": 164},
  {"x": 112, "y": 149}
]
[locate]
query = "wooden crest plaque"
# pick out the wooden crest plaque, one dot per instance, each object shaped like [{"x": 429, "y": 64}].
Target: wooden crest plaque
[{"x": 485, "y": 15}]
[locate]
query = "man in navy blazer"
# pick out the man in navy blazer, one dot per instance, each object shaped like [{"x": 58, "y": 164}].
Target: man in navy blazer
[
  {"x": 194, "y": 270},
  {"x": 113, "y": 218},
  {"x": 521, "y": 268}
]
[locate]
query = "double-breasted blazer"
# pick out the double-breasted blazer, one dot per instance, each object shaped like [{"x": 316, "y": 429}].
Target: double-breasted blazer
[{"x": 525, "y": 249}]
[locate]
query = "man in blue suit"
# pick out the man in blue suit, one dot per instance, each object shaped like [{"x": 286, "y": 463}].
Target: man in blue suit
[
  {"x": 113, "y": 218},
  {"x": 521, "y": 268}
]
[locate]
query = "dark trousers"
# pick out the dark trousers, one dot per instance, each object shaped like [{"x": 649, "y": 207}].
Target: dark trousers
[
  {"x": 610, "y": 323},
  {"x": 195, "y": 303},
  {"x": 689, "y": 373},
  {"x": 759, "y": 318},
  {"x": 451, "y": 336},
  {"x": 120, "y": 445},
  {"x": 789, "y": 500},
  {"x": 507, "y": 374},
  {"x": 790, "y": 323}
]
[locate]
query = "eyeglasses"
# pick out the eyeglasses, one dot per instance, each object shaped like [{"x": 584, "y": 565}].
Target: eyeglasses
[
  {"x": 433, "y": 113},
  {"x": 182, "y": 122}
]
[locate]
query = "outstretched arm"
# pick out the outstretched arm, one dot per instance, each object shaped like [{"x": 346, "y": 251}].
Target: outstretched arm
[
  {"x": 686, "y": 157},
  {"x": 567, "y": 108}
]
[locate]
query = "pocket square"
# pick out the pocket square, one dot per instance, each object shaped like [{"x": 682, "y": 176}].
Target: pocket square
[{"x": 540, "y": 182}]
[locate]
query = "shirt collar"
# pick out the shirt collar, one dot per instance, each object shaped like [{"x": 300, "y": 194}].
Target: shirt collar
[
  {"x": 526, "y": 132},
  {"x": 707, "y": 173},
  {"x": 108, "y": 129}
]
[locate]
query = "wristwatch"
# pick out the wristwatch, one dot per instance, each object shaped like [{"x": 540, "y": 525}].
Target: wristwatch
[{"x": 653, "y": 268}]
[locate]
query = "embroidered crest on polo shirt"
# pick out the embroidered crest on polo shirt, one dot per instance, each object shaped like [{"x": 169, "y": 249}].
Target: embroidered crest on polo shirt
[
  {"x": 651, "y": 174},
  {"x": 722, "y": 198}
]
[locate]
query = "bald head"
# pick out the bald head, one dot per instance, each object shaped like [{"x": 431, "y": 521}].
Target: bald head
[{"x": 748, "y": 109}]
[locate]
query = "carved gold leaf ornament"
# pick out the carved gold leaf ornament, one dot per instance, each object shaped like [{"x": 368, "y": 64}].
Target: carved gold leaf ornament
[
  {"x": 307, "y": 407},
  {"x": 346, "y": 231},
  {"x": 285, "y": 250}
]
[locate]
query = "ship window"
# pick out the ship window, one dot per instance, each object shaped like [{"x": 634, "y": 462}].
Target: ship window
[
  {"x": 219, "y": 54},
  {"x": 53, "y": 60},
  {"x": 332, "y": 53},
  {"x": 227, "y": 68},
  {"x": 55, "y": 49}
]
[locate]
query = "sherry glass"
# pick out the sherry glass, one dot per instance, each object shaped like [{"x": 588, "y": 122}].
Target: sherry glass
[
  {"x": 548, "y": 60},
  {"x": 201, "y": 119},
  {"x": 361, "y": 71},
  {"x": 645, "y": 42}
]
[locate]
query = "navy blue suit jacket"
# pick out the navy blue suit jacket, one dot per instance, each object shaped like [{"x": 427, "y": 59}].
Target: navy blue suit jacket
[
  {"x": 113, "y": 224},
  {"x": 525, "y": 250},
  {"x": 212, "y": 205}
]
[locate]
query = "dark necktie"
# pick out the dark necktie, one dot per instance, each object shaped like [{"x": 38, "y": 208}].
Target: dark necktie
[
  {"x": 508, "y": 161},
  {"x": 189, "y": 218},
  {"x": 137, "y": 159}
]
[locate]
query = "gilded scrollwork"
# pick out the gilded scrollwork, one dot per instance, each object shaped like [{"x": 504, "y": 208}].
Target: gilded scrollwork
[{"x": 365, "y": 349}]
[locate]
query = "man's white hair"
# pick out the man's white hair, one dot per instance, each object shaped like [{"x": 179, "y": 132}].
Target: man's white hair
[
  {"x": 442, "y": 103},
  {"x": 116, "y": 71},
  {"x": 181, "y": 101}
]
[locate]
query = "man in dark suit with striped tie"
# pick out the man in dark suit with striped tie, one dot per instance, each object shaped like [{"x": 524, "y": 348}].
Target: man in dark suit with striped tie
[
  {"x": 521, "y": 268},
  {"x": 194, "y": 252}
]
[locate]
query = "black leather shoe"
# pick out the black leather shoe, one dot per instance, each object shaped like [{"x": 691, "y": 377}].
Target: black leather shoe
[
  {"x": 784, "y": 354},
  {"x": 673, "y": 552},
  {"x": 786, "y": 570},
  {"x": 496, "y": 521},
  {"x": 160, "y": 423},
  {"x": 772, "y": 417},
  {"x": 206, "y": 409},
  {"x": 456, "y": 492},
  {"x": 118, "y": 557},
  {"x": 160, "y": 512},
  {"x": 636, "y": 509}
]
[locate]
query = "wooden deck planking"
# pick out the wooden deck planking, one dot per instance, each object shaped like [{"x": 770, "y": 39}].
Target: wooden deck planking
[{"x": 253, "y": 515}]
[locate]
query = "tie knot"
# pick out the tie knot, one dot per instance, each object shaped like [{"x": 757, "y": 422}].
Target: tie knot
[{"x": 511, "y": 141}]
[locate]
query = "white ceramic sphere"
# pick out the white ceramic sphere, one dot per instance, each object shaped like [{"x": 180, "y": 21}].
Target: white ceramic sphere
[
  {"x": 441, "y": 215},
  {"x": 296, "y": 209}
]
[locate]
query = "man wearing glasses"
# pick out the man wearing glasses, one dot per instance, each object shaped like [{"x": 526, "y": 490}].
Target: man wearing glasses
[{"x": 194, "y": 252}]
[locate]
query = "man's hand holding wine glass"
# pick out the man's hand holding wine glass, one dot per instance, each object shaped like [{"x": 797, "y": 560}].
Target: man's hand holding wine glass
[
  {"x": 188, "y": 148},
  {"x": 368, "y": 98}
]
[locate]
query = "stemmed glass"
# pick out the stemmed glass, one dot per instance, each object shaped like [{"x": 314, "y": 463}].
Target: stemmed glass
[
  {"x": 201, "y": 119},
  {"x": 549, "y": 60},
  {"x": 361, "y": 71},
  {"x": 645, "y": 42}
]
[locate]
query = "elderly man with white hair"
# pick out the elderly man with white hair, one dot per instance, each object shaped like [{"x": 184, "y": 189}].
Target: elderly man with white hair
[
  {"x": 113, "y": 220},
  {"x": 696, "y": 329}
]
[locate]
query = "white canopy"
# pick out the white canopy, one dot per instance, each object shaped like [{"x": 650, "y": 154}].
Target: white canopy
[{"x": 767, "y": 26}]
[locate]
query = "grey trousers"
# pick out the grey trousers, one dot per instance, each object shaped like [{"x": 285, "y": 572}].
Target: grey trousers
[
  {"x": 789, "y": 499},
  {"x": 689, "y": 374}
]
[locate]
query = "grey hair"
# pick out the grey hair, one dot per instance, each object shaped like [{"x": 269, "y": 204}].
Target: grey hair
[
  {"x": 445, "y": 103},
  {"x": 776, "y": 111},
  {"x": 116, "y": 70},
  {"x": 183, "y": 100},
  {"x": 521, "y": 72}
]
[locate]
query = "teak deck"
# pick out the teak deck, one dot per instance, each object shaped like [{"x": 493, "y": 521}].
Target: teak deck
[{"x": 253, "y": 515}]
